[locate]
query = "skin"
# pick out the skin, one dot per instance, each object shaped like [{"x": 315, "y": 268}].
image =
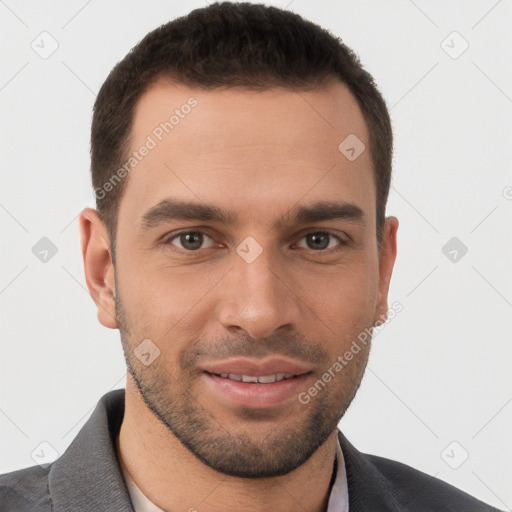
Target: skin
[{"x": 257, "y": 155}]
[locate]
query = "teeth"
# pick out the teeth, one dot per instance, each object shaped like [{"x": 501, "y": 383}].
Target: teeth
[
  {"x": 264, "y": 379},
  {"x": 248, "y": 378}
]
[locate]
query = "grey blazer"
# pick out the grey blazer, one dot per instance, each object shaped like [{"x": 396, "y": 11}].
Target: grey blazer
[{"x": 87, "y": 477}]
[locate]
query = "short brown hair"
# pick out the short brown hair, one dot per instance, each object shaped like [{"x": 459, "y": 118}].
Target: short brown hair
[{"x": 227, "y": 45}]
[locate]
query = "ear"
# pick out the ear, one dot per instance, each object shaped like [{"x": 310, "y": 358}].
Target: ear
[
  {"x": 387, "y": 256},
  {"x": 98, "y": 267}
]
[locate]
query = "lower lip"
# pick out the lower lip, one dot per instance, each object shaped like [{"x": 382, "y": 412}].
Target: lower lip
[{"x": 254, "y": 395}]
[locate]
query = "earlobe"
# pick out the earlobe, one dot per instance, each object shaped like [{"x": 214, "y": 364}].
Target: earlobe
[
  {"x": 387, "y": 257},
  {"x": 98, "y": 267}
]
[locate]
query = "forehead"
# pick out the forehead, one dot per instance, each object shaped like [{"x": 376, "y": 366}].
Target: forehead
[{"x": 254, "y": 151}]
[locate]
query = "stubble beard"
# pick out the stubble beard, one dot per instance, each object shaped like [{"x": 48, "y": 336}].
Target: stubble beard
[{"x": 255, "y": 452}]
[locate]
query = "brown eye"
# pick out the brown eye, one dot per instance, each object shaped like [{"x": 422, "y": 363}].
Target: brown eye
[
  {"x": 319, "y": 241},
  {"x": 190, "y": 241}
]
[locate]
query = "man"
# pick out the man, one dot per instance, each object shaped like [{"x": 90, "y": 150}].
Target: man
[{"x": 241, "y": 161}]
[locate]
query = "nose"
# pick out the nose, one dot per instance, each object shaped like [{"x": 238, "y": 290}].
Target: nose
[{"x": 259, "y": 297}]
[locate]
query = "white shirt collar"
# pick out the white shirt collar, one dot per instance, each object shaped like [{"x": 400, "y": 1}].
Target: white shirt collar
[{"x": 338, "y": 499}]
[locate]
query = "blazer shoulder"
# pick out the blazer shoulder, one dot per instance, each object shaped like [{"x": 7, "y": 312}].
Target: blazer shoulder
[
  {"x": 416, "y": 490},
  {"x": 25, "y": 490}
]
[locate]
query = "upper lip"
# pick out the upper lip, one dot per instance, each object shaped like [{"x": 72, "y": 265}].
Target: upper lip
[{"x": 257, "y": 368}]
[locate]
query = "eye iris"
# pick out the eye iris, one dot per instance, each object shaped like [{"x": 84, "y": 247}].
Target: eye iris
[
  {"x": 318, "y": 240},
  {"x": 191, "y": 241}
]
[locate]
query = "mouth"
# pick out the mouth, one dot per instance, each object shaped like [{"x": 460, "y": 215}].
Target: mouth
[
  {"x": 264, "y": 371},
  {"x": 255, "y": 384},
  {"x": 253, "y": 379}
]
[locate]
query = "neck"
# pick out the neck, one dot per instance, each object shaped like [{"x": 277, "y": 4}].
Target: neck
[{"x": 174, "y": 479}]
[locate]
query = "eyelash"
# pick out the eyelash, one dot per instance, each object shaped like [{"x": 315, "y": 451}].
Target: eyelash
[{"x": 168, "y": 241}]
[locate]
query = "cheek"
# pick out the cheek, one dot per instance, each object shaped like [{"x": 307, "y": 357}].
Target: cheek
[
  {"x": 148, "y": 288},
  {"x": 345, "y": 300},
  {"x": 166, "y": 303}
]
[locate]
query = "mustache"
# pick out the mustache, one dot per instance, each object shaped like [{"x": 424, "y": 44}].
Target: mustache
[{"x": 293, "y": 346}]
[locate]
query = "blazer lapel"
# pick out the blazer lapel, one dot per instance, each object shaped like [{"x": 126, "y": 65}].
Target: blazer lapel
[
  {"x": 368, "y": 490},
  {"x": 87, "y": 477}
]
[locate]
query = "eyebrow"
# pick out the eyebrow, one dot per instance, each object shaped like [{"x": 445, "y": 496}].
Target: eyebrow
[{"x": 172, "y": 209}]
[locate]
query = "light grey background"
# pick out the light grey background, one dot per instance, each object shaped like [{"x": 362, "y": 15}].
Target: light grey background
[{"x": 439, "y": 372}]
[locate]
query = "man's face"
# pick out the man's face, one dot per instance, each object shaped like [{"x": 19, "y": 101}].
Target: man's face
[{"x": 246, "y": 247}]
